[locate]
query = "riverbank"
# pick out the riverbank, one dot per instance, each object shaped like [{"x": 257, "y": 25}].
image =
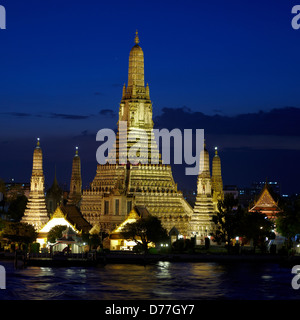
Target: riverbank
[
  {"x": 199, "y": 257},
  {"x": 132, "y": 258}
]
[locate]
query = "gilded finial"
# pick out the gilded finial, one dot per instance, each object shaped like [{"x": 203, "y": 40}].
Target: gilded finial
[
  {"x": 124, "y": 91},
  {"x": 38, "y": 142},
  {"x": 136, "y": 39},
  {"x": 76, "y": 152},
  {"x": 147, "y": 91},
  {"x": 216, "y": 150}
]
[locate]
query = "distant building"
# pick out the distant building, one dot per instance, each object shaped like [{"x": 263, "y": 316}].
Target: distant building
[
  {"x": 233, "y": 189},
  {"x": 14, "y": 189}
]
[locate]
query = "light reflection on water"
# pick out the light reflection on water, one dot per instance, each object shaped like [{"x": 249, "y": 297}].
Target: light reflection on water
[{"x": 164, "y": 280}]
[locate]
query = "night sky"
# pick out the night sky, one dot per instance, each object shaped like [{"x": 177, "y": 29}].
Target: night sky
[{"x": 228, "y": 67}]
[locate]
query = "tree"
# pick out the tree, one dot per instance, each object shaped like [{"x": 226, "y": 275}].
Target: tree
[
  {"x": 145, "y": 230},
  {"x": 288, "y": 221},
  {"x": 2, "y": 224},
  {"x": 17, "y": 207},
  {"x": 182, "y": 245},
  {"x": 227, "y": 220},
  {"x": 3, "y": 191},
  {"x": 256, "y": 226},
  {"x": 2, "y": 186},
  {"x": 55, "y": 233},
  {"x": 93, "y": 240},
  {"x": 19, "y": 232}
]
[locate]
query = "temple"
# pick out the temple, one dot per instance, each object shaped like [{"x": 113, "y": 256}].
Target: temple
[
  {"x": 119, "y": 187},
  {"x": 36, "y": 211},
  {"x": 68, "y": 216},
  {"x": 266, "y": 203},
  {"x": 127, "y": 182}
]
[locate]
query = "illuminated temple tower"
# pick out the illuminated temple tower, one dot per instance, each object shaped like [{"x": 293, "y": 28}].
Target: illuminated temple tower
[
  {"x": 216, "y": 180},
  {"x": 201, "y": 223},
  {"x": 76, "y": 182},
  {"x": 36, "y": 212},
  {"x": 118, "y": 187}
]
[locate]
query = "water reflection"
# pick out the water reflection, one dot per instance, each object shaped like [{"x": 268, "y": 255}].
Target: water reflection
[
  {"x": 163, "y": 270},
  {"x": 163, "y": 280}
]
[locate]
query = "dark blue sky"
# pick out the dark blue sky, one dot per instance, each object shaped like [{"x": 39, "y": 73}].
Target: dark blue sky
[{"x": 63, "y": 64}]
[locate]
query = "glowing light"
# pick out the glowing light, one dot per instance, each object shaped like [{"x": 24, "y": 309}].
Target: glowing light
[{"x": 56, "y": 222}]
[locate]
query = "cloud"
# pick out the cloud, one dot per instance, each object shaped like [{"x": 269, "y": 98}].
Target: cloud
[
  {"x": 278, "y": 122},
  {"x": 84, "y": 132},
  {"x": 218, "y": 111},
  {"x": 108, "y": 113},
  {"x": 18, "y": 114},
  {"x": 254, "y": 142},
  {"x": 52, "y": 115},
  {"x": 68, "y": 116},
  {"x": 85, "y": 135}
]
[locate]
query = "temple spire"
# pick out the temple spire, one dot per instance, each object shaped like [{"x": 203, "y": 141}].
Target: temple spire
[
  {"x": 55, "y": 178},
  {"x": 54, "y": 195},
  {"x": 216, "y": 180},
  {"x": 36, "y": 212},
  {"x": 201, "y": 220},
  {"x": 204, "y": 162},
  {"x": 136, "y": 65},
  {"x": 136, "y": 39},
  {"x": 216, "y": 165},
  {"x": 76, "y": 182}
]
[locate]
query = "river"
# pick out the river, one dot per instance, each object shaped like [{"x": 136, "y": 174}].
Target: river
[{"x": 161, "y": 281}]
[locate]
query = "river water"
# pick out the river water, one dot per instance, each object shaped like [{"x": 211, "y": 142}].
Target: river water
[{"x": 161, "y": 281}]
